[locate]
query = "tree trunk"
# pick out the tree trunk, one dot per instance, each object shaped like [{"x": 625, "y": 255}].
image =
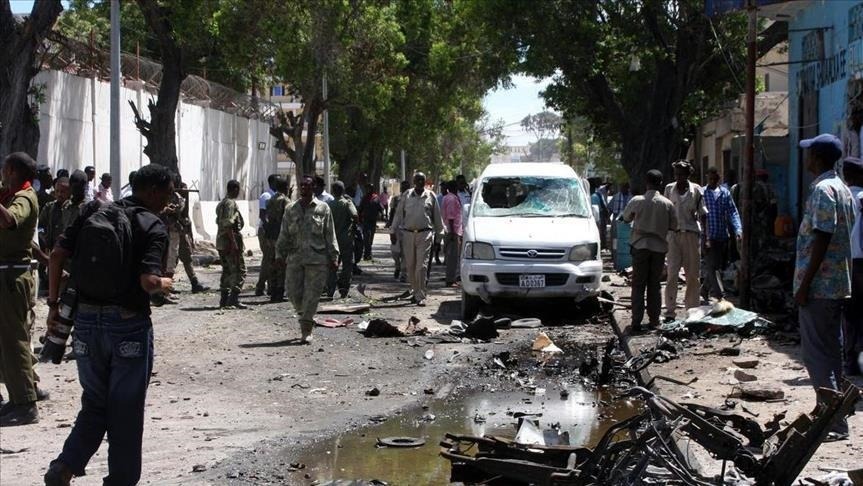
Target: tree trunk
[
  {"x": 641, "y": 153},
  {"x": 19, "y": 43},
  {"x": 161, "y": 131}
]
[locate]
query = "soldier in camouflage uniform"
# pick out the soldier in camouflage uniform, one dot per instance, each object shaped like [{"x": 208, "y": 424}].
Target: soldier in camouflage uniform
[
  {"x": 187, "y": 242},
  {"x": 275, "y": 212},
  {"x": 307, "y": 242},
  {"x": 344, "y": 222},
  {"x": 229, "y": 243}
]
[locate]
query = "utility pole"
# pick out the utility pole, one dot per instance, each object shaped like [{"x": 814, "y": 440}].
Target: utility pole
[
  {"x": 749, "y": 158},
  {"x": 404, "y": 167},
  {"x": 327, "y": 163},
  {"x": 115, "y": 97}
]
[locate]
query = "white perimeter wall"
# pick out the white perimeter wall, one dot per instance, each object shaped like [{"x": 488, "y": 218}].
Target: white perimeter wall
[{"x": 212, "y": 146}]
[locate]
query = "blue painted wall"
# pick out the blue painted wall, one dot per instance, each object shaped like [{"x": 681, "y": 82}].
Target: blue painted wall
[{"x": 834, "y": 16}]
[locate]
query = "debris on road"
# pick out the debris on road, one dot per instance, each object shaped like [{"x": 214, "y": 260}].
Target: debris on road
[
  {"x": 373, "y": 392},
  {"x": 544, "y": 344},
  {"x": 429, "y": 354},
  {"x": 344, "y": 309},
  {"x": 717, "y": 319},
  {"x": 749, "y": 391},
  {"x": 333, "y": 323},
  {"x": 382, "y": 328},
  {"x": 400, "y": 442},
  {"x": 642, "y": 450},
  {"x": 526, "y": 323},
  {"x": 744, "y": 377},
  {"x": 746, "y": 364}
]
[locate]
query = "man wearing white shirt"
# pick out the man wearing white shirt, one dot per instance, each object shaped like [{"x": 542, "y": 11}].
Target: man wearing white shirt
[
  {"x": 103, "y": 191},
  {"x": 852, "y": 170},
  {"x": 321, "y": 193},
  {"x": 267, "y": 248},
  {"x": 90, "y": 193}
]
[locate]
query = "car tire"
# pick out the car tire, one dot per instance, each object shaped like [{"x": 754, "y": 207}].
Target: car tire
[{"x": 469, "y": 306}]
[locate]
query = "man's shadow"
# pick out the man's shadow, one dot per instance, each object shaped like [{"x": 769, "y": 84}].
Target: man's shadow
[{"x": 277, "y": 344}]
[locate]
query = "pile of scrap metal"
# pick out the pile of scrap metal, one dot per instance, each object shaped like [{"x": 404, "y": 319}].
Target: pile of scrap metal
[{"x": 643, "y": 450}]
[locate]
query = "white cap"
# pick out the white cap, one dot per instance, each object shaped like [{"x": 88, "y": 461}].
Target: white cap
[
  {"x": 853, "y": 161},
  {"x": 823, "y": 138}
]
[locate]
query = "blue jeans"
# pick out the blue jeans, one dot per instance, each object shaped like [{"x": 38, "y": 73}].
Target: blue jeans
[{"x": 114, "y": 351}]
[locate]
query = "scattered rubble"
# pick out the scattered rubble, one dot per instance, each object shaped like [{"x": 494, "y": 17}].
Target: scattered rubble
[{"x": 382, "y": 328}]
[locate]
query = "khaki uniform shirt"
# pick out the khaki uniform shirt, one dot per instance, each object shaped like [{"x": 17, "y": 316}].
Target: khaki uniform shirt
[
  {"x": 344, "y": 214},
  {"x": 652, "y": 217},
  {"x": 418, "y": 212},
  {"x": 230, "y": 222},
  {"x": 689, "y": 206},
  {"x": 16, "y": 241},
  {"x": 307, "y": 235}
]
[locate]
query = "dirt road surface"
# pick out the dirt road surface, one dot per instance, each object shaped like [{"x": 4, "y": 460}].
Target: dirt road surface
[{"x": 231, "y": 388}]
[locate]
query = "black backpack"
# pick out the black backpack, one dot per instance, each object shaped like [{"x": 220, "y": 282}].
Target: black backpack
[{"x": 102, "y": 259}]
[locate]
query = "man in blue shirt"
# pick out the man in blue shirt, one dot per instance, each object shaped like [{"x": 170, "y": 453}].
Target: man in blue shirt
[{"x": 721, "y": 217}]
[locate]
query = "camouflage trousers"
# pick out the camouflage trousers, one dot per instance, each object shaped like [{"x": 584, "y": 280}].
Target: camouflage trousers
[
  {"x": 303, "y": 285},
  {"x": 233, "y": 271}
]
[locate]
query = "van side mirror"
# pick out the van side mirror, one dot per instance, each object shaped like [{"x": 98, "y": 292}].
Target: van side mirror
[
  {"x": 465, "y": 210},
  {"x": 595, "y": 210}
]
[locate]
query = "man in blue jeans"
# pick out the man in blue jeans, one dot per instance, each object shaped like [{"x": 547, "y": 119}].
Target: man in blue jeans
[
  {"x": 822, "y": 274},
  {"x": 113, "y": 334}
]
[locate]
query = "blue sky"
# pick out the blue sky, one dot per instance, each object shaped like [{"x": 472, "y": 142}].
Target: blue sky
[
  {"x": 26, "y": 6},
  {"x": 509, "y": 105}
]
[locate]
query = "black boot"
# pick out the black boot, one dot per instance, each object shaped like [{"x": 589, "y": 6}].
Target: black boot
[
  {"x": 278, "y": 295},
  {"x": 223, "y": 299},
  {"x": 235, "y": 300},
  {"x": 20, "y": 415},
  {"x": 197, "y": 287}
]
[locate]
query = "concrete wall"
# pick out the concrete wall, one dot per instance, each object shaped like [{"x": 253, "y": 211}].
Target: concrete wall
[{"x": 212, "y": 146}]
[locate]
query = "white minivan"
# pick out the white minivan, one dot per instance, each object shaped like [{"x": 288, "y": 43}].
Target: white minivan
[{"x": 530, "y": 232}]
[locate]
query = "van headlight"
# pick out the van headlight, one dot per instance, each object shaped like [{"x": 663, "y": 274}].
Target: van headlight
[
  {"x": 477, "y": 250},
  {"x": 583, "y": 253}
]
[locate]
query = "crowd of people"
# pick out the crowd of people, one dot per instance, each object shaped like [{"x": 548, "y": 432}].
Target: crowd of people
[
  {"x": 115, "y": 258},
  {"x": 672, "y": 224}
]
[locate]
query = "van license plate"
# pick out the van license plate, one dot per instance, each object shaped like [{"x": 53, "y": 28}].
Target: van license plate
[{"x": 531, "y": 281}]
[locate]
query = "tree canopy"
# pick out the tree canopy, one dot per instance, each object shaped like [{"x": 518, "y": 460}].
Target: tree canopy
[{"x": 644, "y": 73}]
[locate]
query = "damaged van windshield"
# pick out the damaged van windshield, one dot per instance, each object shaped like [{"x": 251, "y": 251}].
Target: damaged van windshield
[{"x": 531, "y": 197}]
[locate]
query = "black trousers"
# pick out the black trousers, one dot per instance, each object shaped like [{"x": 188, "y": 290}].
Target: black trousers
[
  {"x": 715, "y": 259},
  {"x": 647, "y": 268}
]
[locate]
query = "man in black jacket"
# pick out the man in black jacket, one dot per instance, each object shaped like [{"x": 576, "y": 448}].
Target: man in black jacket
[{"x": 113, "y": 334}]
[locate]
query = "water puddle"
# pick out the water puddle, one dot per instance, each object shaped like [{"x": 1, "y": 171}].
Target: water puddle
[{"x": 584, "y": 414}]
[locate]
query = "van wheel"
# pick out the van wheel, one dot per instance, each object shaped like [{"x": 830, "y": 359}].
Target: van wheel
[{"x": 469, "y": 306}]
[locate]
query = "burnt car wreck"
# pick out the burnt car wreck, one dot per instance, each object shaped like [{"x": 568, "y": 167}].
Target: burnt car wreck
[{"x": 646, "y": 448}]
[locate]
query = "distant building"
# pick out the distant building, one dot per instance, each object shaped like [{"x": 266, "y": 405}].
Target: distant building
[
  {"x": 513, "y": 153},
  {"x": 720, "y": 140}
]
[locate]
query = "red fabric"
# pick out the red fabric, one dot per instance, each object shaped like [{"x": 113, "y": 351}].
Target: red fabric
[{"x": 6, "y": 195}]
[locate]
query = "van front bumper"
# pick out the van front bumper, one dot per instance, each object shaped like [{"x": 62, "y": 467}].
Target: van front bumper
[{"x": 498, "y": 278}]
